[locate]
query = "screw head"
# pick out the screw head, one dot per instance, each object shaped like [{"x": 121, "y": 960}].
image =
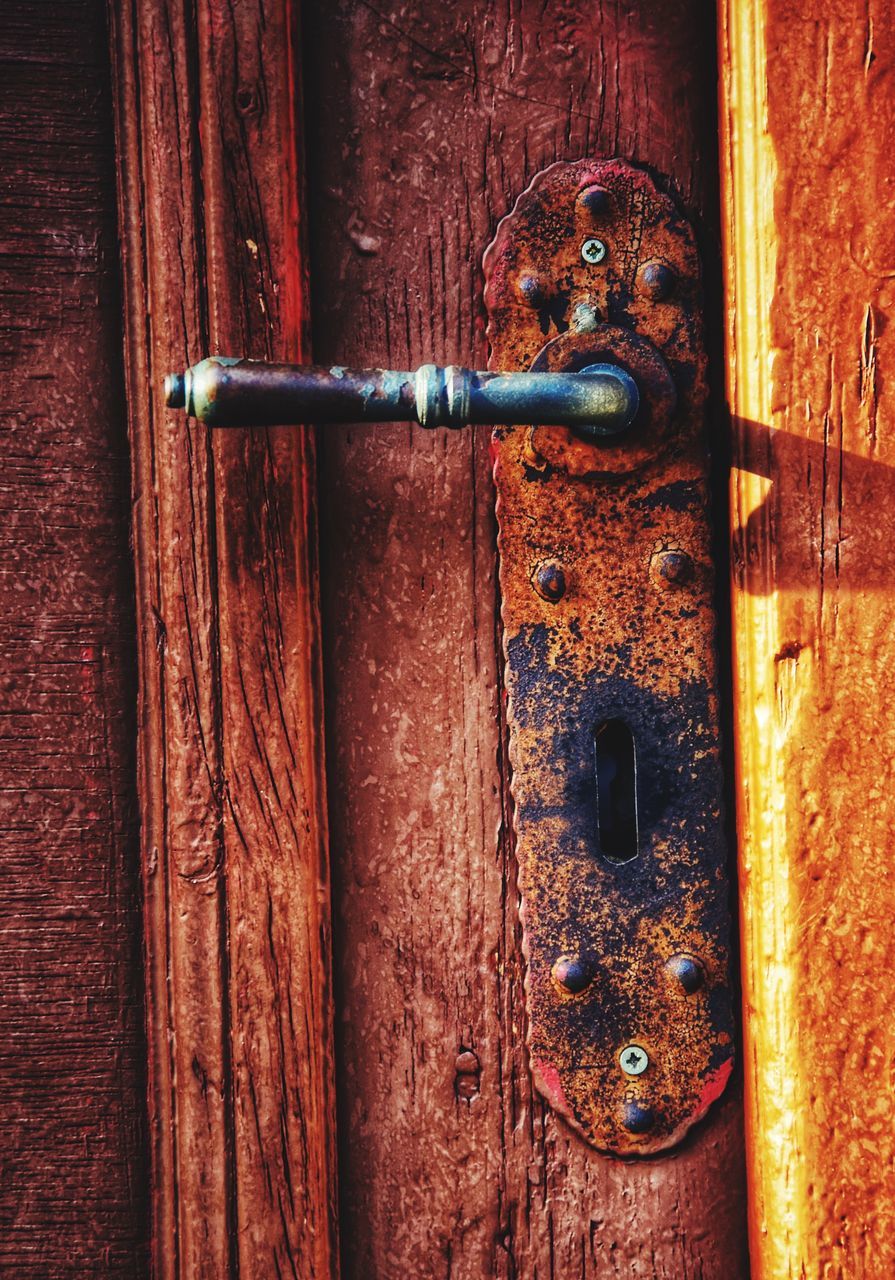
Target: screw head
[
  {"x": 687, "y": 971},
  {"x": 656, "y": 281},
  {"x": 633, "y": 1060},
  {"x": 549, "y": 580},
  {"x": 596, "y": 200},
  {"x": 637, "y": 1118},
  {"x": 571, "y": 974},
  {"x": 593, "y": 251}
]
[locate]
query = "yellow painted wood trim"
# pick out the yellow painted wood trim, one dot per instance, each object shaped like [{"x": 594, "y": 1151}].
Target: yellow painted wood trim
[{"x": 807, "y": 198}]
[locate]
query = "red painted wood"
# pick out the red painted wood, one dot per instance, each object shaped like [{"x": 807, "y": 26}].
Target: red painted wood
[
  {"x": 73, "y": 1196},
  {"x": 808, "y": 107},
  {"x": 425, "y": 122},
  {"x": 230, "y": 752}
]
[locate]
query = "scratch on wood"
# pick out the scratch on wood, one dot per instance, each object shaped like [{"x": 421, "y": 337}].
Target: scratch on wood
[{"x": 867, "y": 386}]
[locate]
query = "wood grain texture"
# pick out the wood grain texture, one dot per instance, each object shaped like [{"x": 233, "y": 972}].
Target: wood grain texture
[
  {"x": 807, "y": 108},
  {"x": 235, "y": 875},
  {"x": 424, "y": 123},
  {"x": 73, "y": 1199}
]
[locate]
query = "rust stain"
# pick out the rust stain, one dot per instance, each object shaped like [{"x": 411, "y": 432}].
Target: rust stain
[{"x": 595, "y": 264}]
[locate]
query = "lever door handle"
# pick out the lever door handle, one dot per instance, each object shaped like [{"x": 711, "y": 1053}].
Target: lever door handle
[
  {"x": 600, "y": 401},
  {"x": 601, "y": 474}
]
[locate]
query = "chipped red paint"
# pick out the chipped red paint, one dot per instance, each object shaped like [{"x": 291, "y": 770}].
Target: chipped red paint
[
  {"x": 548, "y": 1081},
  {"x": 620, "y": 640},
  {"x": 715, "y": 1085}
]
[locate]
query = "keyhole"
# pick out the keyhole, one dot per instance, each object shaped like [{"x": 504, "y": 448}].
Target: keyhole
[{"x": 616, "y": 768}]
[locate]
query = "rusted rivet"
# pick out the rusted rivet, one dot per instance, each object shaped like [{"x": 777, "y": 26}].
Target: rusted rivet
[
  {"x": 633, "y": 1060},
  {"x": 638, "y": 1118},
  {"x": 585, "y": 318},
  {"x": 533, "y": 291},
  {"x": 571, "y": 974},
  {"x": 671, "y": 567},
  {"x": 532, "y": 455},
  {"x": 593, "y": 251},
  {"x": 656, "y": 280},
  {"x": 549, "y": 580},
  {"x": 596, "y": 200},
  {"x": 687, "y": 971}
]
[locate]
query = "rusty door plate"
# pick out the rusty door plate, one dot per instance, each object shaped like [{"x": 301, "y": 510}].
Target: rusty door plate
[{"x": 611, "y": 673}]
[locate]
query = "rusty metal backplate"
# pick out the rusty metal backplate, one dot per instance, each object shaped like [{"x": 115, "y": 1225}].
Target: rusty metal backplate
[{"x": 607, "y": 608}]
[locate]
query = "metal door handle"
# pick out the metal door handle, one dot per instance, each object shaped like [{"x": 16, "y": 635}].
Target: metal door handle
[
  {"x": 600, "y": 471},
  {"x": 600, "y": 401}
]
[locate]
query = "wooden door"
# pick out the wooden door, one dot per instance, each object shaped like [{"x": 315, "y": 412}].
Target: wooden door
[
  {"x": 302, "y": 639},
  {"x": 417, "y": 132},
  {"x": 448, "y": 1161},
  {"x": 423, "y": 125}
]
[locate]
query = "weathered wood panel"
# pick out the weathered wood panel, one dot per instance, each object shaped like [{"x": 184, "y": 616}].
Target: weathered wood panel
[
  {"x": 425, "y": 122},
  {"x": 236, "y": 882},
  {"x": 73, "y": 1199},
  {"x": 809, "y": 129}
]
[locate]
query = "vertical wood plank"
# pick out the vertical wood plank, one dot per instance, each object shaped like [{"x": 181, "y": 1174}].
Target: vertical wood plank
[
  {"x": 424, "y": 123},
  {"x": 807, "y": 113},
  {"x": 73, "y": 1197},
  {"x": 235, "y": 875},
  {"x": 272, "y": 720}
]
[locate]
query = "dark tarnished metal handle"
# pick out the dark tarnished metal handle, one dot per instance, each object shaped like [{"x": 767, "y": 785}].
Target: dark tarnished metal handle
[{"x": 599, "y": 401}]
